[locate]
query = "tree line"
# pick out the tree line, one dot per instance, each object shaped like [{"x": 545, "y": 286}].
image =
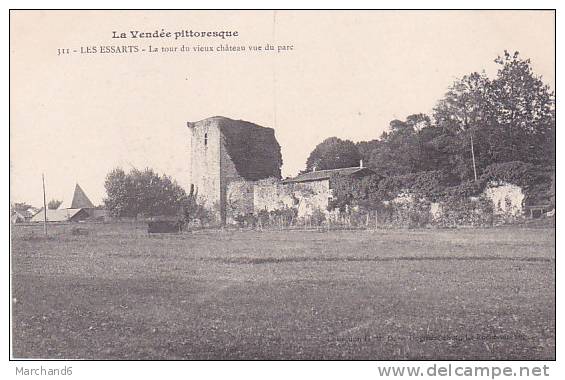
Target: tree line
[{"x": 480, "y": 127}]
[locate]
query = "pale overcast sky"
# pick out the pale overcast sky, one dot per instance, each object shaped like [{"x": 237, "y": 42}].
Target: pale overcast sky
[{"x": 349, "y": 74}]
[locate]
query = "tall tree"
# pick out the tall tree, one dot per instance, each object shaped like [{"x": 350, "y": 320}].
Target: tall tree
[
  {"x": 333, "y": 153},
  {"x": 508, "y": 118},
  {"x": 406, "y": 147},
  {"x": 464, "y": 114},
  {"x": 120, "y": 198},
  {"x": 525, "y": 112}
]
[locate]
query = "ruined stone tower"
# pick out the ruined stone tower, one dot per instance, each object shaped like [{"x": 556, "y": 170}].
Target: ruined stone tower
[{"x": 223, "y": 151}]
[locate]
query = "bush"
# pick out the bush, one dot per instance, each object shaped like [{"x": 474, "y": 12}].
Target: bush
[
  {"x": 284, "y": 216},
  {"x": 464, "y": 190},
  {"x": 475, "y": 212},
  {"x": 349, "y": 191},
  {"x": 248, "y": 220},
  {"x": 263, "y": 218},
  {"x": 428, "y": 184},
  {"x": 536, "y": 182},
  {"x": 415, "y": 214},
  {"x": 518, "y": 173},
  {"x": 318, "y": 217},
  {"x": 194, "y": 211}
]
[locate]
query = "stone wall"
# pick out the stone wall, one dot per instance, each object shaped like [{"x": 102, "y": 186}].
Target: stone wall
[
  {"x": 499, "y": 203},
  {"x": 230, "y": 182},
  {"x": 271, "y": 194},
  {"x": 312, "y": 196},
  {"x": 306, "y": 197},
  {"x": 239, "y": 200},
  {"x": 205, "y": 148},
  {"x": 507, "y": 199}
]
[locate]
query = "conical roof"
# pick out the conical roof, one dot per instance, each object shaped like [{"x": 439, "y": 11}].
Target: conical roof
[{"x": 80, "y": 200}]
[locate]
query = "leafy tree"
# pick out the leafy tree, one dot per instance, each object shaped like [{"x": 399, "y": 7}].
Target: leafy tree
[
  {"x": 482, "y": 129},
  {"x": 508, "y": 118},
  {"x": 434, "y": 150},
  {"x": 463, "y": 114},
  {"x": 406, "y": 148},
  {"x": 54, "y": 204},
  {"x": 333, "y": 153},
  {"x": 367, "y": 148},
  {"x": 525, "y": 112},
  {"x": 142, "y": 193},
  {"x": 120, "y": 198}
]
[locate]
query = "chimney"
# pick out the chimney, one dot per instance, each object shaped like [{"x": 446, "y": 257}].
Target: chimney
[{"x": 360, "y": 163}]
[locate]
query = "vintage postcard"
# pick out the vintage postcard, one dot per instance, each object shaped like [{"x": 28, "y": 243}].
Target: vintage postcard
[{"x": 283, "y": 185}]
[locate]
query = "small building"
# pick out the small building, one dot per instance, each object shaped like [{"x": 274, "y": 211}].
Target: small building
[
  {"x": 325, "y": 175},
  {"x": 22, "y": 215},
  {"x": 313, "y": 189},
  {"x": 81, "y": 209},
  {"x": 19, "y": 216},
  {"x": 62, "y": 215},
  {"x": 307, "y": 192}
]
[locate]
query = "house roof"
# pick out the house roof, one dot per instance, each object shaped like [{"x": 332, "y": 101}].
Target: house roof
[
  {"x": 321, "y": 175},
  {"x": 80, "y": 200},
  {"x": 19, "y": 215},
  {"x": 61, "y": 215},
  {"x": 23, "y": 213}
]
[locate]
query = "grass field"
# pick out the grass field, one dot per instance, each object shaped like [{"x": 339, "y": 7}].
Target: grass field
[{"x": 397, "y": 294}]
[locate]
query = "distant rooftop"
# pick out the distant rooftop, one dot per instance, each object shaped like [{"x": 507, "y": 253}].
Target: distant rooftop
[
  {"x": 320, "y": 175},
  {"x": 62, "y": 215},
  {"x": 80, "y": 200}
]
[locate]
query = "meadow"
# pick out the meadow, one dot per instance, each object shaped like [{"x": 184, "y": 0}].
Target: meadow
[{"x": 116, "y": 292}]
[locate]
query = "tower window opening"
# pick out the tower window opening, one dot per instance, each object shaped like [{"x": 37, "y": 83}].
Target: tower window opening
[{"x": 205, "y": 139}]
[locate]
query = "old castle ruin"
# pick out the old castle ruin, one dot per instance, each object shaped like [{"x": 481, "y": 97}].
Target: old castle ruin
[{"x": 236, "y": 170}]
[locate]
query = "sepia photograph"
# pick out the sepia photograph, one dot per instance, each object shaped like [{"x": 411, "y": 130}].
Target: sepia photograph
[{"x": 282, "y": 185}]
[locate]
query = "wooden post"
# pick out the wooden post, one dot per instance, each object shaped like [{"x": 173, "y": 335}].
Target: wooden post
[
  {"x": 473, "y": 156},
  {"x": 44, "y": 206}
]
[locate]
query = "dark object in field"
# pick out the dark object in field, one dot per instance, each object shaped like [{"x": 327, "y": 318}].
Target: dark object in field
[
  {"x": 76, "y": 231},
  {"x": 163, "y": 226}
]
